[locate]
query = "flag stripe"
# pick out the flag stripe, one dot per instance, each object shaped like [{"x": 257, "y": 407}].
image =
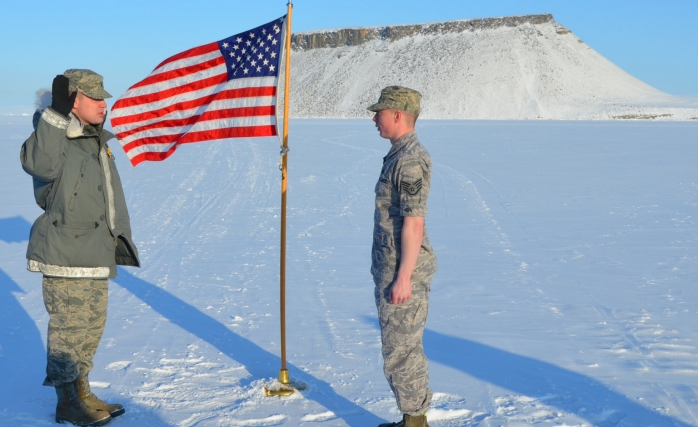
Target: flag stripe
[
  {"x": 216, "y": 134},
  {"x": 165, "y": 103},
  {"x": 239, "y": 132},
  {"x": 181, "y": 72},
  {"x": 161, "y": 109},
  {"x": 152, "y": 156},
  {"x": 190, "y": 87},
  {"x": 181, "y": 110},
  {"x": 154, "y": 137},
  {"x": 155, "y": 153},
  {"x": 185, "y": 62},
  {"x": 179, "y": 124},
  {"x": 195, "y": 51},
  {"x": 218, "y": 70},
  {"x": 190, "y": 96}
]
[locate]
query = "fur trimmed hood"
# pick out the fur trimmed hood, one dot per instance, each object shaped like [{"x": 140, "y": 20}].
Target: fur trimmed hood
[{"x": 75, "y": 128}]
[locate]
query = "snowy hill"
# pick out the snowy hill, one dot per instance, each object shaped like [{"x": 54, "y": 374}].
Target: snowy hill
[{"x": 525, "y": 67}]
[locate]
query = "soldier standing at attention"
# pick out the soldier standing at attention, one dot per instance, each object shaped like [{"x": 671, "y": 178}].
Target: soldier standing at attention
[
  {"x": 77, "y": 242},
  {"x": 403, "y": 262}
]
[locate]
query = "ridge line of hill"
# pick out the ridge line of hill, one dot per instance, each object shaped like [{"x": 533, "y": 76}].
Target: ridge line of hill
[{"x": 359, "y": 35}]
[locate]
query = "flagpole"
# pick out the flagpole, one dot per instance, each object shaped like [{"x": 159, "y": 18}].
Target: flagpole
[{"x": 283, "y": 373}]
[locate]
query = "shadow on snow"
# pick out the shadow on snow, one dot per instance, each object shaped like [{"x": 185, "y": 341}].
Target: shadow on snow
[
  {"x": 23, "y": 399},
  {"x": 21, "y": 349},
  {"x": 572, "y": 392},
  {"x": 258, "y": 362},
  {"x": 14, "y": 230}
]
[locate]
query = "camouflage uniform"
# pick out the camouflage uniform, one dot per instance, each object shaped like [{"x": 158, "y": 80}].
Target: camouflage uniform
[
  {"x": 402, "y": 190},
  {"x": 84, "y": 232},
  {"x": 78, "y": 312}
]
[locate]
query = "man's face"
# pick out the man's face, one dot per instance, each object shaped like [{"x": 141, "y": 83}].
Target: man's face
[
  {"x": 386, "y": 123},
  {"x": 89, "y": 110}
]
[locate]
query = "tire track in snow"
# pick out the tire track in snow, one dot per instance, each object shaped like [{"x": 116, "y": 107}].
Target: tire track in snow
[
  {"x": 506, "y": 409},
  {"x": 186, "y": 227},
  {"x": 635, "y": 336},
  {"x": 332, "y": 204}
]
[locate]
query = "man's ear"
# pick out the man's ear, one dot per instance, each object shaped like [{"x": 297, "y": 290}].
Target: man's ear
[
  {"x": 398, "y": 116},
  {"x": 75, "y": 103}
]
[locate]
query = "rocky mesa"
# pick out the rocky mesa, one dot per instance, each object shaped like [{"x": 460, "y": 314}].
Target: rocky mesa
[{"x": 519, "y": 67}]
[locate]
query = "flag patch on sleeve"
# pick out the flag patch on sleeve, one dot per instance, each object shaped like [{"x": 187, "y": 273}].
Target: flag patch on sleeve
[{"x": 411, "y": 189}]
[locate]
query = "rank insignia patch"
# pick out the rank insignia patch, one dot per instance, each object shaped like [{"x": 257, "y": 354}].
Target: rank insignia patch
[{"x": 411, "y": 189}]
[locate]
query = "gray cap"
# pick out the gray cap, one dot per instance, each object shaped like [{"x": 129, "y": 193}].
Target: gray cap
[
  {"x": 87, "y": 82},
  {"x": 398, "y": 97}
]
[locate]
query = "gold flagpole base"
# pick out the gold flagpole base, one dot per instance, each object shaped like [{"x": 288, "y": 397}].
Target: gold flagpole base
[
  {"x": 284, "y": 387},
  {"x": 283, "y": 376},
  {"x": 282, "y": 390}
]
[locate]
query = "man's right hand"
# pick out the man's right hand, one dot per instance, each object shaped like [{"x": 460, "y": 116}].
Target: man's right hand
[{"x": 62, "y": 102}]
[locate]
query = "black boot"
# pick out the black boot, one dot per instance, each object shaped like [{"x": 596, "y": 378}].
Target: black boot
[
  {"x": 70, "y": 408},
  {"x": 409, "y": 421},
  {"x": 82, "y": 386}
]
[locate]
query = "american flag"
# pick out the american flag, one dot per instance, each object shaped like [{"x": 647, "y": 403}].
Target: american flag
[{"x": 224, "y": 89}]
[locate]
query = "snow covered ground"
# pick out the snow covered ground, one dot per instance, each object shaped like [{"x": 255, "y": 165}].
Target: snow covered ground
[{"x": 566, "y": 293}]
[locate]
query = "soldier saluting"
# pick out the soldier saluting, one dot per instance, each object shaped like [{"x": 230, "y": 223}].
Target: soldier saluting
[
  {"x": 403, "y": 262},
  {"x": 82, "y": 235}
]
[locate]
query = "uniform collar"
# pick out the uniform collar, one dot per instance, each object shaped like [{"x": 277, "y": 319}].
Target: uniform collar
[
  {"x": 77, "y": 129},
  {"x": 400, "y": 143}
]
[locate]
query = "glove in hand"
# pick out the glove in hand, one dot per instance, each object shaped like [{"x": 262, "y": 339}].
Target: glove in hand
[{"x": 62, "y": 102}]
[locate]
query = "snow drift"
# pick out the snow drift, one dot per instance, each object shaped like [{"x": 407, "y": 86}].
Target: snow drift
[{"x": 523, "y": 67}]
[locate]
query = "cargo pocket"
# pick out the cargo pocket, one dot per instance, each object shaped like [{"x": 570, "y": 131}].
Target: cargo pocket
[
  {"x": 76, "y": 244},
  {"x": 402, "y": 325}
]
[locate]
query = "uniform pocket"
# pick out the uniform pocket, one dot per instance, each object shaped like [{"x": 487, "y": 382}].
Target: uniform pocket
[
  {"x": 383, "y": 187},
  {"x": 77, "y": 225},
  {"x": 402, "y": 325},
  {"x": 77, "y": 244}
]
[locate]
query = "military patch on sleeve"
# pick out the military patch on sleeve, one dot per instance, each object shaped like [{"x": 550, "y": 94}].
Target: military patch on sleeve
[{"x": 413, "y": 188}]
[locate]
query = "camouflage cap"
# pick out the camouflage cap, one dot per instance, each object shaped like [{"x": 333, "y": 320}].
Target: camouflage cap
[
  {"x": 87, "y": 82},
  {"x": 398, "y": 97}
]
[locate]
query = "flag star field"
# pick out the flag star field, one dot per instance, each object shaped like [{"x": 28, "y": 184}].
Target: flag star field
[{"x": 253, "y": 53}]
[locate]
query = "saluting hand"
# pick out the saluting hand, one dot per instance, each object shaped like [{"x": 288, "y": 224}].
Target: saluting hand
[{"x": 62, "y": 102}]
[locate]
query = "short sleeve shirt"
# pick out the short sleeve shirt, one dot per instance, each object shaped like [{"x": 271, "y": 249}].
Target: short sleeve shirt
[{"x": 402, "y": 190}]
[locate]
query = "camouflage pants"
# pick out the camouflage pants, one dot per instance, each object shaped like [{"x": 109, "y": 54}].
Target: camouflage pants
[
  {"x": 78, "y": 312},
  {"x": 404, "y": 362}
]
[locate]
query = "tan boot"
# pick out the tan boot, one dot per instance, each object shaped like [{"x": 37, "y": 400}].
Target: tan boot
[
  {"x": 70, "y": 408},
  {"x": 409, "y": 421},
  {"x": 418, "y": 421},
  {"x": 82, "y": 386}
]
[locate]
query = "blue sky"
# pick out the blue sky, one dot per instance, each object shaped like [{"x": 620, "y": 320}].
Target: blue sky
[{"x": 656, "y": 41}]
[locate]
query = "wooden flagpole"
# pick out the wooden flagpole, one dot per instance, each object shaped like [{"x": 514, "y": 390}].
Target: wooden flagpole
[{"x": 283, "y": 373}]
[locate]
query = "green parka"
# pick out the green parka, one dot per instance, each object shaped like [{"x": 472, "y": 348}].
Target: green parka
[{"x": 85, "y": 229}]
